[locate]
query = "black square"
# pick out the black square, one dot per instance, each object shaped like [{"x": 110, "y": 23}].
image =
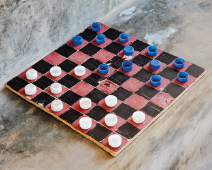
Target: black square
[
  {"x": 88, "y": 35},
  {"x": 143, "y": 75},
  {"x": 169, "y": 73},
  {"x": 152, "y": 109},
  {"x": 96, "y": 95},
  {"x": 173, "y": 89},
  {"x": 119, "y": 78},
  {"x": 99, "y": 132},
  {"x": 166, "y": 58},
  {"x": 124, "y": 111},
  {"x": 91, "y": 64},
  {"x": 112, "y": 33},
  {"x": 43, "y": 99},
  {"x": 139, "y": 45},
  {"x": 122, "y": 93},
  {"x": 93, "y": 79},
  {"x": 68, "y": 81},
  {"x": 147, "y": 92},
  {"x": 67, "y": 65},
  {"x": 65, "y": 51},
  {"x": 114, "y": 47},
  {"x": 195, "y": 70},
  {"x": 141, "y": 60},
  {"x": 17, "y": 83},
  {"x": 43, "y": 82},
  {"x": 70, "y": 97},
  {"x": 116, "y": 62},
  {"x": 70, "y": 116},
  {"x": 97, "y": 113},
  {"x": 90, "y": 49},
  {"x": 128, "y": 130},
  {"x": 42, "y": 66}
]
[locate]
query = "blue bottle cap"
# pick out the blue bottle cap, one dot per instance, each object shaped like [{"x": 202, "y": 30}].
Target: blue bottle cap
[
  {"x": 152, "y": 50},
  {"x": 104, "y": 68},
  {"x": 100, "y": 38},
  {"x": 127, "y": 65},
  {"x": 124, "y": 37},
  {"x": 155, "y": 80},
  {"x": 77, "y": 40},
  {"x": 128, "y": 50},
  {"x": 96, "y": 26},
  {"x": 182, "y": 77},
  {"x": 179, "y": 62},
  {"x": 155, "y": 64}
]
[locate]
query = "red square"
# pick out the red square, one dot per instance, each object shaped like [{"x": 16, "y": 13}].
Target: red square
[
  {"x": 77, "y": 47},
  {"x": 79, "y": 57},
  {"x": 48, "y": 90},
  {"x": 135, "y": 69},
  {"x": 107, "y": 86},
  {"x": 142, "y": 125},
  {"x": 162, "y": 99},
  {"x": 108, "y": 109},
  {"x": 191, "y": 80},
  {"x": 103, "y": 45},
  {"x": 87, "y": 73},
  {"x": 77, "y": 126},
  {"x": 131, "y": 39},
  {"x": 82, "y": 88},
  {"x": 48, "y": 74},
  {"x": 111, "y": 71},
  {"x": 103, "y": 28},
  {"x": 54, "y": 58},
  {"x": 144, "y": 52},
  {"x": 22, "y": 91},
  {"x": 105, "y": 143},
  {"x": 77, "y": 107},
  {"x": 136, "y": 101},
  {"x": 23, "y": 76},
  {"x": 147, "y": 67},
  {"x": 164, "y": 83},
  {"x": 120, "y": 122},
  {"x": 103, "y": 55},
  {"x": 187, "y": 64},
  {"x": 66, "y": 107},
  {"x": 121, "y": 54},
  {"x": 132, "y": 84}
]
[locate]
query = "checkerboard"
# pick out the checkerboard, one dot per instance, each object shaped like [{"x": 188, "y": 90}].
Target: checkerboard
[{"x": 133, "y": 88}]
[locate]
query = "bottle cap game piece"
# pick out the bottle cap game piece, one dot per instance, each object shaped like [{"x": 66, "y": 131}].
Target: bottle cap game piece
[
  {"x": 182, "y": 77},
  {"x": 85, "y": 103},
  {"x": 55, "y": 71},
  {"x": 111, "y": 100},
  {"x": 104, "y": 68},
  {"x": 31, "y": 74},
  {"x": 179, "y": 62},
  {"x": 114, "y": 140},
  {"x": 96, "y": 26},
  {"x": 56, "y": 88},
  {"x": 155, "y": 80},
  {"x": 30, "y": 89},
  {"x": 128, "y": 50},
  {"x": 85, "y": 123},
  {"x": 152, "y": 50},
  {"x": 127, "y": 65},
  {"x": 155, "y": 64},
  {"x": 77, "y": 40},
  {"x": 79, "y": 70},
  {"x": 56, "y": 105},
  {"x": 100, "y": 38},
  {"x": 138, "y": 116},
  {"x": 111, "y": 120},
  {"x": 124, "y": 37}
]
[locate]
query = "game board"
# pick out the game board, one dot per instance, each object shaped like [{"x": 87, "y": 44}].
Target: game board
[{"x": 133, "y": 89}]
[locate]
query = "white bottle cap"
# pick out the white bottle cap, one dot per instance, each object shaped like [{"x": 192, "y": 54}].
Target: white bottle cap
[
  {"x": 111, "y": 100},
  {"x": 56, "y": 105},
  {"x": 31, "y": 74},
  {"x": 55, "y": 71},
  {"x": 56, "y": 88},
  {"x": 114, "y": 140},
  {"x": 30, "y": 89},
  {"x": 138, "y": 117},
  {"x": 79, "y": 70},
  {"x": 111, "y": 120},
  {"x": 85, "y": 103},
  {"x": 85, "y": 122}
]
